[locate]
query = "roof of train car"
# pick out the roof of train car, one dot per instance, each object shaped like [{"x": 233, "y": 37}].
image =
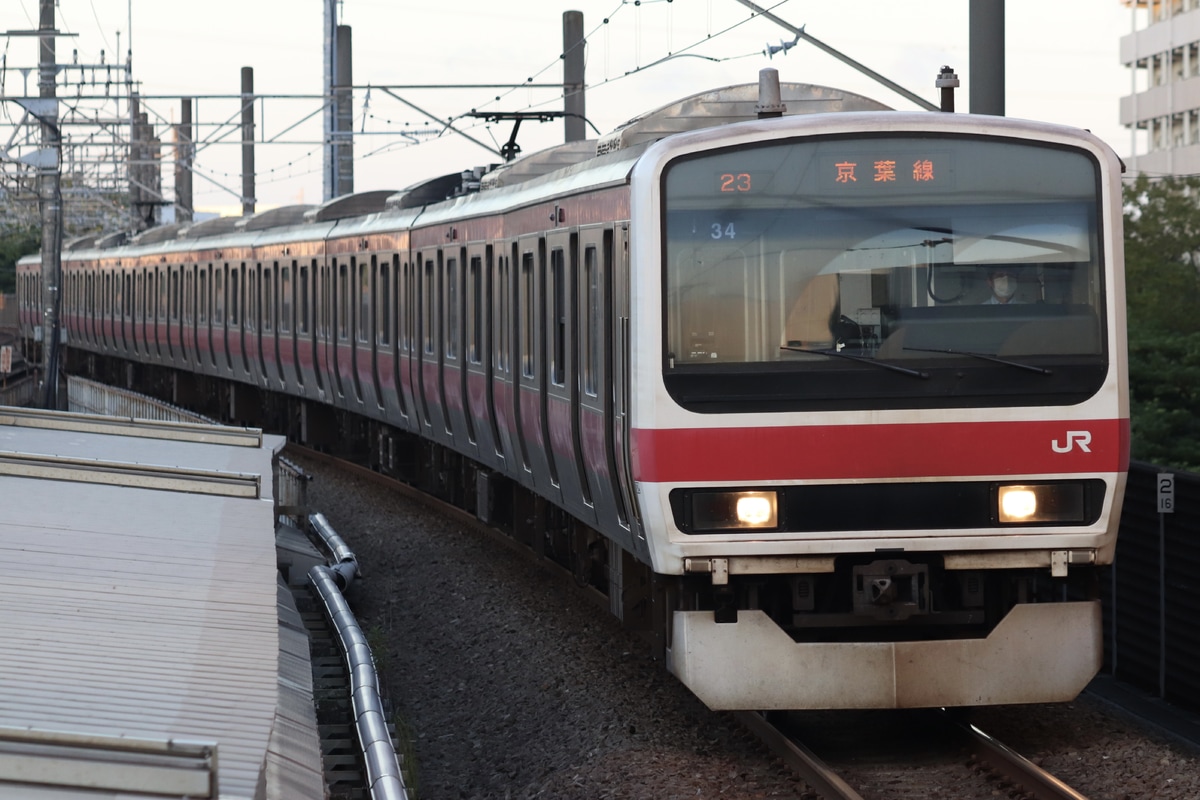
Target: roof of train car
[
  {"x": 140, "y": 601},
  {"x": 538, "y": 177}
]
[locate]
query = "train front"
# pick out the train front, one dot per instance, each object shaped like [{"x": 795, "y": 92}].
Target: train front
[{"x": 879, "y": 415}]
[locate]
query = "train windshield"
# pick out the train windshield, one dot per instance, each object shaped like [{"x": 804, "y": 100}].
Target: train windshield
[{"x": 883, "y": 272}]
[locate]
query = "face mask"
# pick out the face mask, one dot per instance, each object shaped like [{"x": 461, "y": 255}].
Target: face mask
[{"x": 1004, "y": 286}]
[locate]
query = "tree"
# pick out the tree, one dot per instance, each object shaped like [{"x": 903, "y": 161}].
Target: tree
[
  {"x": 14, "y": 243},
  {"x": 1162, "y": 253}
]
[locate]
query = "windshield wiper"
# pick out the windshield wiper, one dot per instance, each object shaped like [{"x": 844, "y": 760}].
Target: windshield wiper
[
  {"x": 985, "y": 356},
  {"x": 881, "y": 364}
]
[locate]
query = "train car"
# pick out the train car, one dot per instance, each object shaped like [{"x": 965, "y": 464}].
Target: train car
[{"x": 834, "y": 404}]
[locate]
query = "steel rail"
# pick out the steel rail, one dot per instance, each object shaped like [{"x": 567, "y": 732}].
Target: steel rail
[
  {"x": 804, "y": 762},
  {"x": 1015, "y": 767}
]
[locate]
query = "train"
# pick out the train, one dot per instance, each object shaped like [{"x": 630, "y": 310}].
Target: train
[{"x": 827, "y": 400}]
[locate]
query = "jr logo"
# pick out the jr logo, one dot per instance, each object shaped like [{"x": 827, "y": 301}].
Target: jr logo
[{"x": 1080, "y": 439}]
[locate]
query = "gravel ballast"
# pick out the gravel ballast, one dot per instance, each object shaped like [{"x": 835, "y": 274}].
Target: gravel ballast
[{"x": 507, "y": 684}]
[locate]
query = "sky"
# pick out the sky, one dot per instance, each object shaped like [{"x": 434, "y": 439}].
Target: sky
[{"x": 1062, "y": 65}]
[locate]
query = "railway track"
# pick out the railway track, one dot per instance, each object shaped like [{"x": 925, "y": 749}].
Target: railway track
[{"x": 940, "y": 756}]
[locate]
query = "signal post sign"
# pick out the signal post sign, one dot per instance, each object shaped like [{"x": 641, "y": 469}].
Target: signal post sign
[{"x": 1166, "y": 493}]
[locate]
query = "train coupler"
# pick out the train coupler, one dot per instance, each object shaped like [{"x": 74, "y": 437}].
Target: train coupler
[{"x": 891, "y": 589}]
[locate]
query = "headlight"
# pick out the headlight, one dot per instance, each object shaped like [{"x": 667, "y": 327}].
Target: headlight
[
  {"x": 716, "y": 511},
  {"x": 1046, "y": 502}
]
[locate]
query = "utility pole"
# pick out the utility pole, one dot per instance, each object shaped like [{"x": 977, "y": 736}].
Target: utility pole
[
  {"x": 50, "y": 202},
  {"x": 575, "y": 118},
  {"x": 343, "y": 112},
  {"x": 987, "y": 57},
  {"x": 329, "y": 180},
  {"x": 248, "y": 189},
  {"x": 185, "y": 154}
]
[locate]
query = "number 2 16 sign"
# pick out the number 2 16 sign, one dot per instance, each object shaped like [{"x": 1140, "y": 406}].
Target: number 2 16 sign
[{"x": 1166, "y": 493}]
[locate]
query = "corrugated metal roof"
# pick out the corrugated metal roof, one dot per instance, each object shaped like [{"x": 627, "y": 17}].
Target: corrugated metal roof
[{"x": 133, "y": 611}]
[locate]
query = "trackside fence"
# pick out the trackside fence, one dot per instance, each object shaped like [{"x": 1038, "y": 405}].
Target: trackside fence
[
  {"x": 1152, "y": 595},
  {"x": 90, "y": 397}
]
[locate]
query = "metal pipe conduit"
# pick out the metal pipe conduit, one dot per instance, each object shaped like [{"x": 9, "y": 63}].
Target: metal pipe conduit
[
  {"x": 345, "y": 563},
  {"x": 384, "y": 779}
]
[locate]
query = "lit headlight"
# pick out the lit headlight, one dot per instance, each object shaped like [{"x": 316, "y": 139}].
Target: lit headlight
[
  {"x": 1048, "y": 502},
  {"x": 715, "y": 511}
]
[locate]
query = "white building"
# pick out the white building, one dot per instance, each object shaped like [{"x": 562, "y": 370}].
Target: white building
[{"x": 1162, "y": 110}]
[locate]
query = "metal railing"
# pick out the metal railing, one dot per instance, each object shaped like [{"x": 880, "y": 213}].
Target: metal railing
[{"x": 91, "y": 397}]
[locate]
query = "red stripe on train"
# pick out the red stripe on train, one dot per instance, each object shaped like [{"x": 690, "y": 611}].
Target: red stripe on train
[{"x": 856, "y": 452}]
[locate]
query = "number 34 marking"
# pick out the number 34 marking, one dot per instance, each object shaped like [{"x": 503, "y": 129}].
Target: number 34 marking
[{"x": 720, "y": 231}]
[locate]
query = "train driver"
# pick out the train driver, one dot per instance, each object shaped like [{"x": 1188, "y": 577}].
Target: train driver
[{"x": 1004, "y": 281}]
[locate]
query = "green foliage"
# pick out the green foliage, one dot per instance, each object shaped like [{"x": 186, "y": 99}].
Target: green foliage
[
  {"x": 1164, "y": 379},
  {"x": 1162, "y": 248},
  {"x": 1162, "y": 252},
  {"x": 14, "y": 243}
]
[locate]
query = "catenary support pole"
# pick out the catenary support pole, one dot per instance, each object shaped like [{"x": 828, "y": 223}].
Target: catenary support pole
[
  {"x": 247, "y": 141},
  {"x": 986, "y": 75},
  {"x": 50, "y": 202},
  {"x": 575, "y": 120},
  {"x": 343, "y": 134},
  {"x": 184, "y": 155}
]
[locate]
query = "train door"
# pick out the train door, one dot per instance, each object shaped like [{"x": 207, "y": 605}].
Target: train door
[
  {"x": 503, "y": 399},
  {"x": 454, "y": 370},
  {"x": 151, "y": 289},
  {"x": 175, "y": 331},
  {"x": 115, "y": 310},
  {"x": 427, "y": 375},
  {"x": 530, "y": 384},
  {"x": 562, "y": 374},
  {"x": 308, "y": 322},
  {"x": 128, "y": 342},
  {"x": 406, "y": 321},
  {"x": 216, "y": 317},
  {"x": 242, "y": 323},
  {"x": 287, "y": 331},
  {"x": 364, "y": 324},
  {"x": 596, "y": 406},
  {"x": 205, "y": 290},
  {"x": 251, "y": 327},
  {"x": 358, "y": 306},
  {"x": 105, "y": 307},
  {"x": 89, "y": 300},
  {"x": 189, "y": 335},
  {"x": 478, "y": 375},
  {"x": 121, "y": 309},
  {"x": 376, "y": 306},
  {"x": 137, "y": 316},
  {"x": 147, "y": 328},
  {"x": 391, "y": 314},
  {"x": 100, "y": 304},
  {"x": 162, "y": 347},
  {"x": 138, "y": 333},
  {"x": 187, "y": 316},
  {"x": 621, "y": 367},
  {"x": 149, "y": 318},
  {"x": 249, "y": 330},
  {"x": 339, "y": 305},
  {"x": 268, "y": 325}
]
